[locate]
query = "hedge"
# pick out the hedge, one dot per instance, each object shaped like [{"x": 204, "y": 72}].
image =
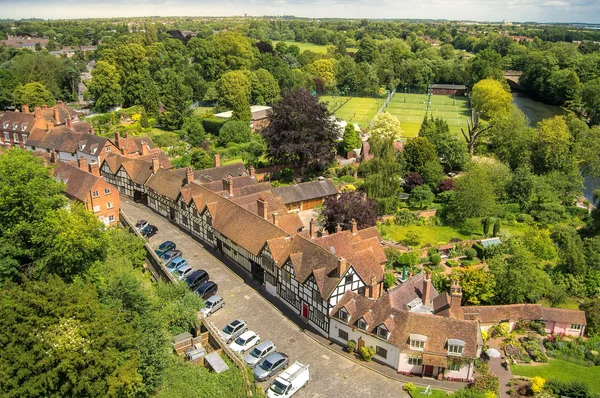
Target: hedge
[{"x": 212, "y": 125}]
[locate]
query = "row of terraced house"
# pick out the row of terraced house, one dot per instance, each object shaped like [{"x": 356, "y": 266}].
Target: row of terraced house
[{"x": 333, "y": 281}]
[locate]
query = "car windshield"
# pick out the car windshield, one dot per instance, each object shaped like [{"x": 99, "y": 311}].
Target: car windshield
[
  {"x": 266, "y": 365},
  {"x": 209, "y": 304},
  {"x": 255, "y": 352},
  {"x": 240, "y": 341},
  {"x": 277, "y": 387},
  {"x": 228, "y": 329}
]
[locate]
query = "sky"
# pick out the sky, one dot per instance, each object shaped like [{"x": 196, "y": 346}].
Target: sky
[{"x": 587, "y": 11}]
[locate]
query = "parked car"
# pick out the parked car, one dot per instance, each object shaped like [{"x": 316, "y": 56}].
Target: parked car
[
  {"x": 287, "y": 383},
  {"x": 211, "y": 305},
  {"x": 196, "y": 278},
  {"x": 270, "y": 366},
  {"x": 165, "y": 247},
  {"x": 176, "y": 263},
  {"x": 149, "y": 231},
  {"x": 233, "y": 330},
  {"x": 244, "y": 342},
  {"x": 259, "y": 352},
  {"x": 207, "y": 289},
  {"x": 170, "y": 255},
  {"x": 183, "y": 271},
  {"x": 141, "y": 224}
]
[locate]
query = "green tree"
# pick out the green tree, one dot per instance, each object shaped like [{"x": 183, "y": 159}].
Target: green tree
[
  {"x": 367, "y": 50},
  {"x": 552, "y": 143},
  {"x": 33, "y": 94},
  {"x": 234, "y": 131},
  {"x": 451, "y": 150},
  {"x": 177, "y": 99},
  {"x": 104, "y": 88},
  {"x": 490, "y": 98},
  {"x": 564, "y": 86},
  {"x": 487, "y": 64},
  {"x": 421, "y": 197},
  {"x": 351, "y": 139},
  {"x": 590, "y": 97},
  {"x": 193, "y": 131},
  {"x": 478, "y": 285},
  {"x": 265, "y": 89},
  {"x": 510, "y": 138},
  {"x": 385, "y": 126},
  {"x": 8, "y": 84},
  {"x": 417, "y": 153},
  {"x": 179, "y": 306},
  {"x": 232, "y": 86},
  {"x": 200, "y": 159}
]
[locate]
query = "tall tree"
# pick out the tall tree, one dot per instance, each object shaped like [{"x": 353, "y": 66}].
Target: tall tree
[
  {"x": 385, "y": 126},
  {"x": 302, "y": 132},
  {"x": 351, "y": 139},
  {"x": 33, "y": 94},
  {"x": 345, "y": 208},
  {"x": 104, "y": 88},
  {"x": 451, "y": 150},
  {"x": 177, "y": 99},
  {"x": 591, "y": 100},
  {"x": 490, "y": 98}
]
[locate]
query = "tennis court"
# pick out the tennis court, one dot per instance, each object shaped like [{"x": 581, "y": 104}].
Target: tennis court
[{"x": 353, "y": 109}]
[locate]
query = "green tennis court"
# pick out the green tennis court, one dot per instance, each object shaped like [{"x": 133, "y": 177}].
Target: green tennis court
[{"x": 353, "y": 109}]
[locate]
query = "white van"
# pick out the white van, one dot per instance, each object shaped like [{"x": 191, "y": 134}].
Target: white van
[{"x": 287, "y": 383}]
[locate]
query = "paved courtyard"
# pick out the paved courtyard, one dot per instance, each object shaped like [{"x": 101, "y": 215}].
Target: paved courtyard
[{"x": 332, "y": 375}]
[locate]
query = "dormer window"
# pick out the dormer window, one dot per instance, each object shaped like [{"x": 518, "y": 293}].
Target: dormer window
[
  {"x": 455, "y": 347},
  {"x": 107, "y": 149},
  {"x": 23, "y": 127},
  {"x": 382, "y": 332},
  {"x": 417, "y": 342},
  {"x": 343, "y": 315},
  {"x": 5, "y": 125},
  {"x": 15, "y": 126},
  {"x": 81, "y": 146},
  {"x": 361, "y": 324}
]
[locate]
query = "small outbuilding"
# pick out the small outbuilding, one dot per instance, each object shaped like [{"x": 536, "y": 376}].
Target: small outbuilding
[{"x": 448, "y": 89}]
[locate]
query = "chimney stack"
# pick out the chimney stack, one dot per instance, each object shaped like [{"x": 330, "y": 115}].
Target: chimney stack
[
  {"x": 338, "y": 228},
  {"x": 70, "y": 122},
  {"x": 155, "y": 164},
  {"x": 118, "y": 140},
  {"x": 228, "y": 185},
  {"x": 82, "y": 163},
  {"x": 44, "y": 107},
  {"x": 252, "y": 171},
  {"x": 37, "y": 112},
  {"x": 342, "y": 266},
  {"x": 354, "y": 226},
  {"x": 145, "y": 148},
  {"x": 426, "y": 296},
  {"x": 261, "y": 203},
  {"x": 56, "y": 116},
  {"x": 59, "y": 103},
  {"x": 95, "y": 169},
  {"x": 48, "y": 126},
  {"x": 217, "y": 160},
  {"x": 189, "y": 173},
  {"x": 275, "y": 219},
  {"x": 25, "y": 108},
  {"x": 53, "y": 156},
  {"x": 455, "y": 294},
  {"x": 311, "y": 229}
]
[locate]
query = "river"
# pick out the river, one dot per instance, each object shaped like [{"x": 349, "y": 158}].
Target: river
[{"x": 537, "y": 111}]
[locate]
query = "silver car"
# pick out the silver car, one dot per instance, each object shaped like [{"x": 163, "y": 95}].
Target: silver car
[
  {"x": 259, "y": 352},
  {"x": 270, "y": 366},
  {"x": 182, "y": 272},
  {"x": 233, "y": 330},
  {"x": 212, "y": 304}
]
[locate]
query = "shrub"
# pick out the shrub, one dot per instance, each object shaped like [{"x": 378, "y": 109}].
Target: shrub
[
  {"x": 389, "y": 281},
  {"x": 484, "y": 335},
  {"x": 234, "y": 131},
  {"x": 452, "y": 263},
  {"x": 409, "y": 388},
  {"x": 470, "y": 253},
  {"x": 350, "y": 346},
  {"x": 537, "y": 384},
  {"x": 578, "y": 212},
  {"x": 500, "y": 330},
  {"x": 367, "y": 353},
  {"x": 435, "y": 258},
  {"x": 406, "y": 217},
  {"x": 573, "y": 389},
  {"x": 486, "y": 382},
  {"x": 347, "y": 179},
  {"x": 212, "y": 125},
  {"x": 525, "y": 218}
]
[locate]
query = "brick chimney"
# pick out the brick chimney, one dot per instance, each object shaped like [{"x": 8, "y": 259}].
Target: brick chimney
[
  {"x": 455, "y": 294},
  {"x": 189, "y": 174},
  {"x": 82, "y": 163},
  {"x": 261, "y": 204},
  {"x": 252, "y": 171},
  {"x": 426, "y": 296},
  {"x": 228, "y": 185},
  {"x": 70, "y": 122},
  {"x": 217, "y": 160},
  {"x": 342, "y": 266},
  {"x": 37, "y": 112},
  {"x": 25, "y": 108},
  {"x": 155, "y": 164},
  {"x": 145, "y": 148},
  {"x": 95, "y": 169},
  {"x": 354, "y": 228},
  {"x": 118, "y": 140},
  {"x": 44, "y": 107},
  {"x": 311, "y": 229},
  {"x": 53, "y": 156},
  {"x": 275, "y": 219},
  {"x": 59, "y": 103},
  {"x": 338, "y": 228},
  {"x": 56, "y": 116}
]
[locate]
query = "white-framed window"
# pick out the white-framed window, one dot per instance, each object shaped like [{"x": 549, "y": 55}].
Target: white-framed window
[
  {"x": 380, "y": 352},
  {"x": 342, "y": 334},
  {"x": 382, "y": 332},
  {"x": 107, "y": 191},
  {"x": 417, "y": 345},
  {"x": 15, "y": 126},
  {"x": 455, "y": 349},
  {"x": 16, "y": 137},
  {"x": 361, "y": 324},
  {"x": 343, "y": 315},
  {"x": 6, "y": 136},
  {"x": 415, "y": 361},
  {"x": 96, "y": 208},
  {"x": 286, "y": 276},
  {"x": 5, "y": 125},
  {"x": 316, "y": 296},
  {"x": 108, "y": 149},
  {"x": 23, "y": 127},
  {"x": 109, "y": 205},
  {"x": 348, "y": 279},
  {"x": 575, "y": 326},
  {"x": 454, "y": 366},
  {"x": 111, "y": 218},
  {"x": 95, "y": 194},
  {"x": 24, "y": 137}
]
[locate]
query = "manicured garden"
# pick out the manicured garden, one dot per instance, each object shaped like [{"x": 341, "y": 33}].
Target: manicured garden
[{"x": 561, "y": 370}]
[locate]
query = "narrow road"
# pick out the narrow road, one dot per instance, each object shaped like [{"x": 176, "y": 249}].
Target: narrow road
[{"x": 331, "y": 374}]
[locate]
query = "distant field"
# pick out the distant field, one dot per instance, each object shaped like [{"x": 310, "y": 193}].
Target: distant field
[
  {"x": 410, "y": 109},
  {"x": 318, "y": 48},
  {"x": 353, "y": 110}
]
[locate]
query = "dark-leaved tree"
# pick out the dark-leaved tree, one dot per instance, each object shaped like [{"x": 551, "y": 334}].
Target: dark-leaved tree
[
  {"x": 347, "y": 207},
  {"x": 302, "y": 132}
]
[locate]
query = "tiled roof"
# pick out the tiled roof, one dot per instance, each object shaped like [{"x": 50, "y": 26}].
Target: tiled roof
[
  {"x": 403, "y": 294},
  {"x": 18, "y": 120},
  {"x": 217, "y": 173},
  {"x": 167, "y": 183},
  {"x": 498, "y": 313},
  {"x": 290, "y": 223},
  {"x": 79, "y": 183},
  {"x": 306, "y": 191},
  {"x": 62, "y": 138},
  {"x": 139, "y": 170}
]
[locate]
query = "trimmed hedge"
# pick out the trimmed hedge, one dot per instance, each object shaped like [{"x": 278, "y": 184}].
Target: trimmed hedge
[{"x": 212, "y": 125}]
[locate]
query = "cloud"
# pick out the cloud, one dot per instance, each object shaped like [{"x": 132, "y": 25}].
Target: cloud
[{"x": 555, "y": 3}]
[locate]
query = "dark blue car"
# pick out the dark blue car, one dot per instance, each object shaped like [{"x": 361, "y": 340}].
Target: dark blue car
[{"x": 165, "y": 247}]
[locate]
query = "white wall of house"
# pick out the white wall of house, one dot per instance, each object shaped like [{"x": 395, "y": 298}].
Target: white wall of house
[{"x": 349, "y": 281}]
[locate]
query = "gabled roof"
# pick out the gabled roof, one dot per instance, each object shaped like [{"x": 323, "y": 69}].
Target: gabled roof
[
  {"x": 533, "y": 312},
  {"x": 306, "y": 191},
  {"x": 18, "y": 120},
  {"x": 63, "y": 139},
  {"x": 138, "y": 170},
  {"x": 403, "y": 294},
  {"x": 166, "y": 183},
  {"x": 218, "y": 173},
  {"x": 79, "y": 183}
]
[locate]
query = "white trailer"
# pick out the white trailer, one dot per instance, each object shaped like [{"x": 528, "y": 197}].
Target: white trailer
[{"x": 291, "y": 380}]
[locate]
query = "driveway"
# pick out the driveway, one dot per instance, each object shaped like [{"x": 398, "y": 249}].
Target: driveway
[{"x": 331, "y": 374}]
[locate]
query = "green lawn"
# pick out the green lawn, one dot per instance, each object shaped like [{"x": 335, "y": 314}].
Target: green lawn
[
  {"x": 562, "y": 370},
  {"x": 434, "y": 393},
  {"x": 359, "y": 110},
  {"x": 429, "y": 235},
  {"x": 201, "y": 109},
  {"x": 318, "y": 48}
]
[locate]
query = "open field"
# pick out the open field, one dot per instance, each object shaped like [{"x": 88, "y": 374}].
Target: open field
[
  {"x": 317, "y": 48},
  {"x": 562, "y": 370},
  {"x": 410, "y": 109},
  {"x": 354, "y": 109}
]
